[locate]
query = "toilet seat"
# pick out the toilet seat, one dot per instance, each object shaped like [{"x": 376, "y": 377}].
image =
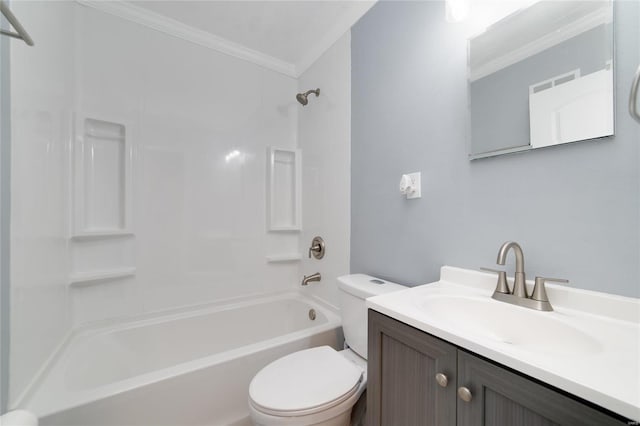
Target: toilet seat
[{"x": 304, "y": 383}]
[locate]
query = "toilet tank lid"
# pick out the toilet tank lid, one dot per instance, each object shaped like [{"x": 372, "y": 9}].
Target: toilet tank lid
[{"x": 363, "y": 286}]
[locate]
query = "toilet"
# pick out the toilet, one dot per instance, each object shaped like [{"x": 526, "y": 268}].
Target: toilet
[{"x": 319, "y": 386}]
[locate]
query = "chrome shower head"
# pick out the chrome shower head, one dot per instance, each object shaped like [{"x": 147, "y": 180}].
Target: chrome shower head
[{"x": 303, "y": 97}]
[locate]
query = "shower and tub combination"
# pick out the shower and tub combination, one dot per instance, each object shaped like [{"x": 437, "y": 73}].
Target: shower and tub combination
[
  {"x": 160, "y": 292},
  {"x": 186, "y": 365},
  {"x": 190, "y": 365},
  {"x": 182, "y": 363}
]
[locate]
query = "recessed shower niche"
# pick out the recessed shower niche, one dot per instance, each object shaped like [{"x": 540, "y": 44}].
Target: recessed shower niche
[
  {"x": 102, "y": 178},
  {"x": 285, "y": 193},
  {"x": 102, "y": 245},
  {"x": 284, "y": 204}
]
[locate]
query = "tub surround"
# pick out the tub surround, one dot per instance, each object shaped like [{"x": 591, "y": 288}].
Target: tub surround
[
  {"x": 603, "y": 372},
  {"x": 193, "y": 238},
  {"x": 194, "y": 235}
]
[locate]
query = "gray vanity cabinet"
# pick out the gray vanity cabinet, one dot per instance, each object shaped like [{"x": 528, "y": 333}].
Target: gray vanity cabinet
[
  {"x": 402, "y": 389},
  {"x": 401, "y": 385}
]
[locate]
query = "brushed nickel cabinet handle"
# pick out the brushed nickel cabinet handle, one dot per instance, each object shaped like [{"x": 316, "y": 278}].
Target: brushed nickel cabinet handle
[
  {"x": 442, "y": 380},
  {"x": 464, "y": 394}
]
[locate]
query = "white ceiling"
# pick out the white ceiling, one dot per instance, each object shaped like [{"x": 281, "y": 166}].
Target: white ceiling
[{"x": 295, "y": 33}]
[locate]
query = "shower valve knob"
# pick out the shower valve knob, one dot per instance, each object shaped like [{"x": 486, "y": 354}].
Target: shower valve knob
[
  {"x": 314, "y": 249},
  {"x": 317, "y": 248}
]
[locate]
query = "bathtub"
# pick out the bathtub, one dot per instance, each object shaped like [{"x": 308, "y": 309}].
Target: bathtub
[{"x": 187, "y": 367}]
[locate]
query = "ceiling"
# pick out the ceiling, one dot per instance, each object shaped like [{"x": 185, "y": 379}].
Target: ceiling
[{"x": 292, "y": 34}]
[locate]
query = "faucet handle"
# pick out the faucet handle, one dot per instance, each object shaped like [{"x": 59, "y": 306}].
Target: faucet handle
[
  {"x": 502, "y": 286},
  {"x": 317, "y": 248},
  {"x": 539, "y": 290}
]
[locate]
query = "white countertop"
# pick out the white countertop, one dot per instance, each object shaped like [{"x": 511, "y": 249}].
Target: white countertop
[{"x": 605, "y": 370}]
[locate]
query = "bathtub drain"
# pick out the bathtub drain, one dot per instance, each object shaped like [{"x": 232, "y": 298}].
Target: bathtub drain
[{"x": 312, "y": 314}]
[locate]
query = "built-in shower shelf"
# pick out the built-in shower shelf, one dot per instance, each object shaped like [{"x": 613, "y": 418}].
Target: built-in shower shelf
[
  {"x": 87, "y": 278},
  {"x": 288, "y": 257},
  {"x": 100, "y": 234}
]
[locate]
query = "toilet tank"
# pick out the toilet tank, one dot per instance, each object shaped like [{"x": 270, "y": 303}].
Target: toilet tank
[{"x": 354, "y": 289}]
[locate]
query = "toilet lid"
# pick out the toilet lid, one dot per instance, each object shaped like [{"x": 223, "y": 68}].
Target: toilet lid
[{"x": 306, "y": 381}]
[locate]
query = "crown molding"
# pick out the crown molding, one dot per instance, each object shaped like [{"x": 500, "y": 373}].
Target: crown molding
[
  {"x": 178, "y": 29},
  {"x": 341, "y": 26},
  {"x": 587, "y": 22}
]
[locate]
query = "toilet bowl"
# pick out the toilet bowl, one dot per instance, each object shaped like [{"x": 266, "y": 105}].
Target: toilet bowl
[
  {"x": 316, "y": 386},
  {"x": 320, "y": 386}
]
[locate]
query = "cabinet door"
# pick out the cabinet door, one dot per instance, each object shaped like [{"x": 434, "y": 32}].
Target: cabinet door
[
  {"x": 503, "y": 398},
  {"x": 402, "y": 389}
]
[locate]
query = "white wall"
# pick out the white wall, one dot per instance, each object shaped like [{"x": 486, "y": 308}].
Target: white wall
[
  {"x": 199, "y": 221},
  {"x": 41, "y": 86},
  {"x": 325, "y": 139}
]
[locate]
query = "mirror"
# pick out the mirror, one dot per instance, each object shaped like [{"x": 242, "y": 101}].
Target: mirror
[{"x": 542, "y": 76}]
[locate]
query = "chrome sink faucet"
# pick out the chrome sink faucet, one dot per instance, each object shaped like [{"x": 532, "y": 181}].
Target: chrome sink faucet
[{"x": 538, "y": 299}]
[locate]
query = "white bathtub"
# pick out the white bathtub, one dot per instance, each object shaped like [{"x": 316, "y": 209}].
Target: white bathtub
[{"x": 191, "y": 367}]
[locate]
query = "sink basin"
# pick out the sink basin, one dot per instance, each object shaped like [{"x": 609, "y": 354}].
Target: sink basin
[{"x": 541, "y": 332}]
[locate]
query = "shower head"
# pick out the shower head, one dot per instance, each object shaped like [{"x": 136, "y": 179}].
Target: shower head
[{"x": 302, "y": 97}]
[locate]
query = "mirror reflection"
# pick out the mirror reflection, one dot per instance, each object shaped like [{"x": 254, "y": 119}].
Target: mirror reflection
[{"x": 542, "y": 76}]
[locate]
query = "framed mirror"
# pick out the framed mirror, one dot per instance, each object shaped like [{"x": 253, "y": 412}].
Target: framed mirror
[{"x": 542, "y": 76}]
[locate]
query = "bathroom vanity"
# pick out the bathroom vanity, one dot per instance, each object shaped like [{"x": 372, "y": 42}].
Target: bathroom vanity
[
  {"x": 476, "y": 361},
  {"x": 408, "y": 360}
]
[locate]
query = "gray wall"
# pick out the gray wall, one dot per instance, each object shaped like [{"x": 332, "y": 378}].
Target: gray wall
[
  {"x": 574, "y": 208},
  {"x": 5, "y": 161},
  {"x": 499, "y": 102}
]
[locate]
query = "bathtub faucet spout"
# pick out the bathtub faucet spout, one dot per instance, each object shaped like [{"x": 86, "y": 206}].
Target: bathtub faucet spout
[{"x": 311, "y": 278}]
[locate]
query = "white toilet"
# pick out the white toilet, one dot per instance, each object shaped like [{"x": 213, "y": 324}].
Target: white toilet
[{"x": 319, "y": 386}]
